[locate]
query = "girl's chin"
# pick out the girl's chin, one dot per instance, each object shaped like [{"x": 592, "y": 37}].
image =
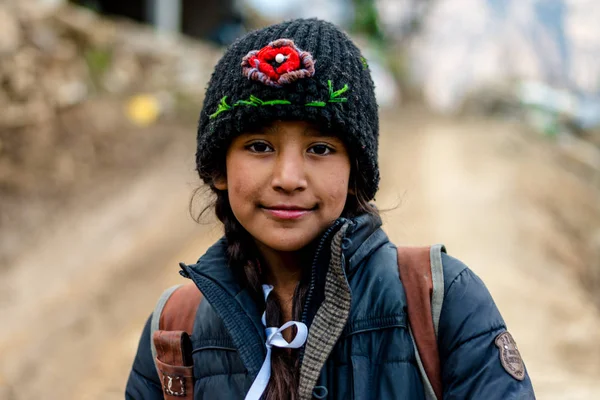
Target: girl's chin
[{"x": 286, "y": 244}]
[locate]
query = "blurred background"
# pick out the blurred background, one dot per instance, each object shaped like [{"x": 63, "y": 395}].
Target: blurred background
[{"x": 490, "y": 143}]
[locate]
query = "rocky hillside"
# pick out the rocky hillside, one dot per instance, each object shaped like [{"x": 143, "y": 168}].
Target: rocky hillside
[{"x": 73, "y": 88}]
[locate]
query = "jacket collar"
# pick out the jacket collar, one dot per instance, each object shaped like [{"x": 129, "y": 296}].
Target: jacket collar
[
  {"x": 235, "y": 306},
  {"x": 363, "y": 237}
]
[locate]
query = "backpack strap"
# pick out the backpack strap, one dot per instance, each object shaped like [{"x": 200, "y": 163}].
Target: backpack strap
[
  {"x": 158, "y": 309},
  {"x": 422, "y": 276},
  {"x": 170, "y": 329}
]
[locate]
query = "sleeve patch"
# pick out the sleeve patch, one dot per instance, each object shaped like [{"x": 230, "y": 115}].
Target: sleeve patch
[{"x": 509, "y": 356}]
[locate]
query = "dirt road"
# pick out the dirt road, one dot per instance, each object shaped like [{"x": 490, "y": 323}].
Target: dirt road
[{"x": 73, "y": 307}]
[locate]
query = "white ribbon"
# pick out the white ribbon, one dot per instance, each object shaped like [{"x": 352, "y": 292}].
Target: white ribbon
[{"x": 274, "y": 338}]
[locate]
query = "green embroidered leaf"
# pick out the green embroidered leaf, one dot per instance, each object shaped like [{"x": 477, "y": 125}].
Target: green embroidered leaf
[
  {"x": 339, "y": 92},
  {"x": 364, "y": 62},
  {"x": 255, "y": 99},
  {"x": 223, "y": 106},
  {"x": 330, "y": 86},
  {"x": 334, "y": 97}
]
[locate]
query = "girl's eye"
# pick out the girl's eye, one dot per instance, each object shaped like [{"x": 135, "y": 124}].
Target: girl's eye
[
  {"x": 320, "y": 149},
  {"x": 259, "y": 147}
]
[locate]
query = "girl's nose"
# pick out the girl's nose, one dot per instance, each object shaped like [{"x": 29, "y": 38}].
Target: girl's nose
[{"x": 289, "y": 174}]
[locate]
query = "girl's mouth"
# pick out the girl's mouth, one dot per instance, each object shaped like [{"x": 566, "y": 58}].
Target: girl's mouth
[{"x": 287, "y": 212}]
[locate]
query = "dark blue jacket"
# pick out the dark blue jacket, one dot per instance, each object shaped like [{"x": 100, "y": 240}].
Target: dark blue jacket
[{"x": 374, "y": 356}]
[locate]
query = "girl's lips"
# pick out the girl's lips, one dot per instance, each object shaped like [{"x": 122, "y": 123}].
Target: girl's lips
[{"x": 282, "y": 213}]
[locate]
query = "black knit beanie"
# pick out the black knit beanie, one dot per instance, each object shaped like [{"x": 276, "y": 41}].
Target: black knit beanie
[{"x": 304, "y": 69}]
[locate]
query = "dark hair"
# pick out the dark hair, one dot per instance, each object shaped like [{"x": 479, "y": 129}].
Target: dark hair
[{"x": 244, "y": 258}]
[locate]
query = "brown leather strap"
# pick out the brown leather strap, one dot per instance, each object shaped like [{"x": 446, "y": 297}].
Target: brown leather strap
[
  {"x": 414, "y": 265},
  {"x": 173, "y": 345},
  {"x": 180, "y": 309},
  {"x": 174, "y": 364}
]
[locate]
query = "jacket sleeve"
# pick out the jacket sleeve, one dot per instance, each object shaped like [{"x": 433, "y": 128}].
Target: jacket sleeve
[
  {"x": 469, "y": 324},
  {"x": 143, "y": 382}
]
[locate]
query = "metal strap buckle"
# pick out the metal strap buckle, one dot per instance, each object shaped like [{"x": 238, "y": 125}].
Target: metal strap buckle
[{"x": 174, "y": 385}]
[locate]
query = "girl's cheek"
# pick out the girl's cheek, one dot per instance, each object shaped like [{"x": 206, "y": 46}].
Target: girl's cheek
[
  {"x": 336, "y": 189},
  {"x": 239, "y": 169},
  {"x": 239, "y": 186}
]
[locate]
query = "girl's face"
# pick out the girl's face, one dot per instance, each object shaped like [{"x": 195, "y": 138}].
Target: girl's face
[{"x": 286, "y": 183}]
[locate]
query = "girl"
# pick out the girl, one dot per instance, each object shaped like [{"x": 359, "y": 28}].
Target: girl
[{"x": 287, "y": 141}]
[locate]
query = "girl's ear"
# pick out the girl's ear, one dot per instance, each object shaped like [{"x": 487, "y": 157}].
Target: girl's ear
[
  {"x": 220, "y": 183},
  {"x": 352, "y": 187}
]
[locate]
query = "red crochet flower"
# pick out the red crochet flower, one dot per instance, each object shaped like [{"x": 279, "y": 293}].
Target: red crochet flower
[{"x": 278, "y": 63}]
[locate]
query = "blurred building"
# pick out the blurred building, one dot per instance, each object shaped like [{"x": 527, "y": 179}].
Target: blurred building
[
  {"x": 219, "y": 21},
  {"x": 467, "y": 45},
  {"x": 339, "y": 12}
]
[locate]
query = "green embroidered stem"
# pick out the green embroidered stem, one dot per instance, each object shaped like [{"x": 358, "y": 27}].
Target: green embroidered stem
[
  {"x": 274, "y": 102},
  {"x": 245, "y": 103},
  {"x": 316, "y": 104},
  {"x": 223, "y": 106},
  {"x": 255, "y": 101}
]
